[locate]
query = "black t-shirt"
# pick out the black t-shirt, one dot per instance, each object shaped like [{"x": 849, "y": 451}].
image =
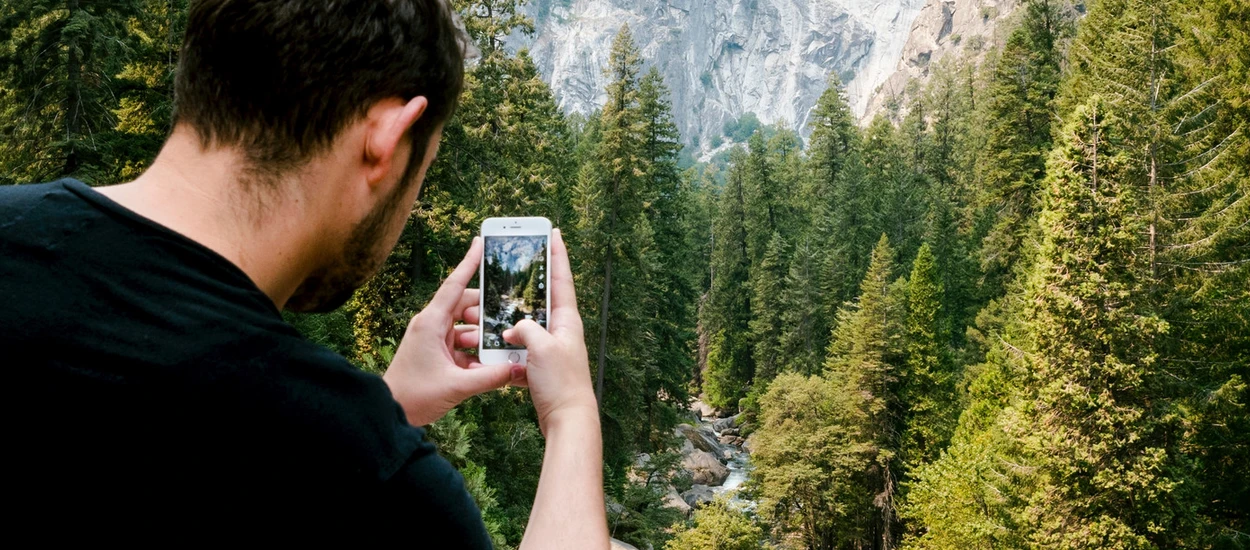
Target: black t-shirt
[{"x": 155, "y": 383}]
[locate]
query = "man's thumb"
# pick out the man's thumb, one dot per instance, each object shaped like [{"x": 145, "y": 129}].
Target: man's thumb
[{"x": 526, "y": 333}]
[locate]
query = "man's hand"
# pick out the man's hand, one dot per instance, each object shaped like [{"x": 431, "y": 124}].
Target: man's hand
[
  {"x": 429, "y": 375},
  {"x": 568, "y": 508},
  {"x": 558, "y": 372}
]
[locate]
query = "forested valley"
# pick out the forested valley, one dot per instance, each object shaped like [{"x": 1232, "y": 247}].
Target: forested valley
[{"x": 1013, "y": 312}]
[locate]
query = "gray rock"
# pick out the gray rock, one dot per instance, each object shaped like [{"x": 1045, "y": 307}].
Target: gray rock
[
  {"x": 738, "y": 441},
  {"x": 703, "y": 410},
  {"x": 705, "y": 468},
  {"x": 729, "y": 431},
  {"x": 618, "y": 545},
  {"x": 642, "y": 461},
  {"x": 701, "y": 437},
  {"x": 687, "y": 447},
  {"x": 615, "y": 509},
  {"x": 673, "y": 500},
  {"x": 726, "y": 440},
  {"x": 725, "y": 423},
  {"x": 698, "y": 496}
]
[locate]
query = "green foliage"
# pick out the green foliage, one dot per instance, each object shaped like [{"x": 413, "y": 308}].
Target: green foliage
[
  {"x": 640, "y": 515},
  {"x": 718, "y": 526},
  {"x": 743, "y": 128},
  {"x": 85, "y": 87},
  {"x": 454, "y": 438},
  {"x": 1065, "y": 365},
  {"x": 811, "y": 458}
]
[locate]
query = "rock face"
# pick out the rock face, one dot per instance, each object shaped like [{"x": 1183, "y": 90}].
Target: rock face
[
  {"x": 944, "y": 28},
  {"x": 723, "y": 58},
  {"x": 704, "y": 468}
]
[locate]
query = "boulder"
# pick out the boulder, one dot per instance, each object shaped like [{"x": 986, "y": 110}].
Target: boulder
[
  {"x": 725, "y": 423},
  {"x": 615, "y": 508},
  {"x": 738, "y": 441},
  {"x": 729, "y": 431},
  {"x": 698, "y": 496},
  {"x": 703, "y": 410},
  {"x": 673, "y": 500},
  {"x": 727, "y": 455},
  {"x": 701, "y": 437},
  {"x": 726, "y": 440},
  {"x": 618, "y": 545},
  {"x": 705, "y": 468},
  {"x": 637, "y": 473}
]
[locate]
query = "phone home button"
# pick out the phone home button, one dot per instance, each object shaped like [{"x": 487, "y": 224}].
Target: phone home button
[{"x": 514, "y": 357}]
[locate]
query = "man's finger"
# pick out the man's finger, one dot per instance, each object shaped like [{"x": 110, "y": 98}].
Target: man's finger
[
  {"x": 452, "y": 291},
  {"x": 563, "y": 296},
  {"x": 466, "y": 336},
  {"x": 472, "y": 316},
  {"x": 469, "y": 299}
]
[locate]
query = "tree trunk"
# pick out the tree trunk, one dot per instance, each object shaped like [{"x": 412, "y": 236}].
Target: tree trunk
[
  {"x": 73, "y": 98},
  {"x": 603, "y": 306}
]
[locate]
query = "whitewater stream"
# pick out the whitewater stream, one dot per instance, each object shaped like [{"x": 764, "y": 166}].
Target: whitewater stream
[{"x": 739, "y": 469}]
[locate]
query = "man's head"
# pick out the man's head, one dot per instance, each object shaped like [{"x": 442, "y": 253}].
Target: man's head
[{"x": 326, "y": 102}]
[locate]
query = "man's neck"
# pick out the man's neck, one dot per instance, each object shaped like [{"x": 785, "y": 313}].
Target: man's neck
[{"x": 199, "y": 194}]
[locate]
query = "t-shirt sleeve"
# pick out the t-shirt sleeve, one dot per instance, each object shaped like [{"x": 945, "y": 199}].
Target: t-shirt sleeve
[{"x": 432, "y": 492}]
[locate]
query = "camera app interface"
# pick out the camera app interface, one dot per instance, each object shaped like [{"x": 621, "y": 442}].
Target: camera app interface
[{"x": 514, "y": 286}]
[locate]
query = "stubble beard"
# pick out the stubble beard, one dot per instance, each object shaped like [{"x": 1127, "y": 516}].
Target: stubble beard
[{"x": 331, "y": 286}]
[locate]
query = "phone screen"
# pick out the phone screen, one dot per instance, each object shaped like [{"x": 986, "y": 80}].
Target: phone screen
[{"x": 514, "y": 285}]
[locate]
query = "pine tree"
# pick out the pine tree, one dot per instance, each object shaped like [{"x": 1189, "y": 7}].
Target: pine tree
[
  {"x": 805, "y": 332},
  {"x": 1100, "y": 422},
  {"x": 671, "y": 290},
  {"x": 766, "y": 211},
  {"x": 928, "y": 385},
  {"x": 766, "y": 310},
  {"x": 866, "y": 359},
  {"x": 59, "y": 61},
  {"x": 1021, "y": 97},
  {"x": 727, "y": 311},
  {"x": 834, "y": 139}
]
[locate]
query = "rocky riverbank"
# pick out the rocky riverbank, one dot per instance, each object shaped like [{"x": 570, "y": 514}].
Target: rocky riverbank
[{"x": 715, "y": 455}]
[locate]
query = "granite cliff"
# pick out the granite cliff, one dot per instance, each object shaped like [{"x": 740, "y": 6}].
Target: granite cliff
[{"x": 725, "y": 58}]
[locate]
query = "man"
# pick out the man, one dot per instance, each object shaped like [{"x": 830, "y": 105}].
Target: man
[{"x": 158, "y": 383}]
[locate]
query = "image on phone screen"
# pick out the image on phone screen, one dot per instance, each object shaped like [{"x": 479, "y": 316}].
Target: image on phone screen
[{"x": 514, "y": 286}]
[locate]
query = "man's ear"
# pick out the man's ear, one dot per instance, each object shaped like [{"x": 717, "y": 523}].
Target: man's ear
[{"x": 391, "y": 121}]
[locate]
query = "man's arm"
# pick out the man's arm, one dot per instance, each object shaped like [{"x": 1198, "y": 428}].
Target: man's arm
[{"x": 568, "y": 509}]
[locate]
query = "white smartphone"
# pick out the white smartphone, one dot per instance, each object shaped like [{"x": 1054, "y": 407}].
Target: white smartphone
[{"x": 515, "y": 282}]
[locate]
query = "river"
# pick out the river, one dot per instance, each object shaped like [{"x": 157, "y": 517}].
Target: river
[{"x": 739, "y": 463}]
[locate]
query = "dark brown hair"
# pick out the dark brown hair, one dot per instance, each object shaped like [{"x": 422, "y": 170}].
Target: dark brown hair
[{"x": 279, "y": 79}]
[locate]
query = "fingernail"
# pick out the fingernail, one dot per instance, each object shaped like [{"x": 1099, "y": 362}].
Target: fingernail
[{"x": 518, "y": 372}]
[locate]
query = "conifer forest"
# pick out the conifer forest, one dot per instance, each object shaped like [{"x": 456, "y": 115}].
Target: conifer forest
[{"x": 1010, "y": 312}]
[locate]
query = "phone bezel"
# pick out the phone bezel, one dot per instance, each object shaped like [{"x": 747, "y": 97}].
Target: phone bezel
[{"x": 507, "y": 227}]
